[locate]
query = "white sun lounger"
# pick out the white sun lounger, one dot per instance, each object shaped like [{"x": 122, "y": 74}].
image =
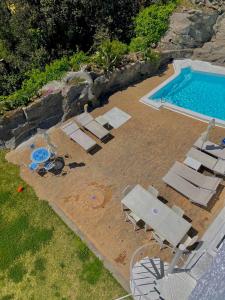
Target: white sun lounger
[
  {"x": 215, "y": 165},
  {"x": 72, "y": 130},
  {"x": 198, "y": 179},
  {"x": 211, "y": 148},
  {"x": 193, "y": 193},
  {"x": 88, "y": 122}
]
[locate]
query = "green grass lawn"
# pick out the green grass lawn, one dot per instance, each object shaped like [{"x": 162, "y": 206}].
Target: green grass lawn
[{"x": 40, "y": 258}]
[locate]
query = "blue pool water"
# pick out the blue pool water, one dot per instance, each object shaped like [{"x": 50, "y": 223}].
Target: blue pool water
[{"x": 200, "y": 92}]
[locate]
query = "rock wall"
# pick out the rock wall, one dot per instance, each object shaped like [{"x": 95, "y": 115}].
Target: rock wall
[
  {"x": 199, "y": 31},
  {"x": 214, "y": 50},
  {"x": 61, "y": 100},
  {"x": 189, "y": 29}
]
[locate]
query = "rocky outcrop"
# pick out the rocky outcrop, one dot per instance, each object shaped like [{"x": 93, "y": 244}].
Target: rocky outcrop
[
  {"x": 60, "y": 100},
  {"x": 189, "y": 30},
  {"x": 214, "y": 4},
  {"x": 213, "y": 51},
  {"x": 201, "y": 33}
]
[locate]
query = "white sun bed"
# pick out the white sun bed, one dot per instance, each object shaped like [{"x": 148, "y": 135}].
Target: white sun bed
[
  {"x": 198, "y": 179},
  {"x": 215, "y": 165},
  {"x": 211, "y": 148},
  {"x": 73, "y": 131},
  {"x": 192, "y": 192},
  {"x": 116, "y": 117},
  {"x": 88, "y": 122}
]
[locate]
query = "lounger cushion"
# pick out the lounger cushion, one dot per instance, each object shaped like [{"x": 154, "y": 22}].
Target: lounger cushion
[
  {"x": 209, "y": 162},
  {"x": 83, "y": 140},
  {"x": 195, "y": 194},
  {"x": 205, "y": 159},
  {"x": 211, "y": 148},
  {"x": 69, "y": 127},
  {"x": 97, "y": 129},
  {"x": 84, "y": 118},
  {"x": 196, "y": 178}
]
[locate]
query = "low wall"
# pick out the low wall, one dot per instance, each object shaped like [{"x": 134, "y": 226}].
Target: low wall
[{"x": 61, "y": 100}]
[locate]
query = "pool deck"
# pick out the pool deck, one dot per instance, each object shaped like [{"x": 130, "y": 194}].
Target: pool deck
[{"x": 142, "y": 151}]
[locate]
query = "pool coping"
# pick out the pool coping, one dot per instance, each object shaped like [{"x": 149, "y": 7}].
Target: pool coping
[{"x": 178, "y": 65}]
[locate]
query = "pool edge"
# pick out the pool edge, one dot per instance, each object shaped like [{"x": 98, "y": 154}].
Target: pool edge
[{"x": 178, "y": 65}]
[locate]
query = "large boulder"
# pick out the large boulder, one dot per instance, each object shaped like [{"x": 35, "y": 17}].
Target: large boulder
[
  {"x": 189, "y": 30},
  {"x": 213, "y": 51},
  {"x": 75, "y": 96},
  {"x": 215, "y": 4},
  {"x": 8, "y": 122}
]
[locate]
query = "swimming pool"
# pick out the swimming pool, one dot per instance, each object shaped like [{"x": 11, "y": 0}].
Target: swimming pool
[{"x": 195, "y": 92}]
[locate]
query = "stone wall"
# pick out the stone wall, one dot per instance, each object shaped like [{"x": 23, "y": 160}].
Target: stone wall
[{"x": 61, "y": 100}]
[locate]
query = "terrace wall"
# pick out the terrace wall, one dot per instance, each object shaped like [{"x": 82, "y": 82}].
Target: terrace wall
[{"x": 61, "y": 100}]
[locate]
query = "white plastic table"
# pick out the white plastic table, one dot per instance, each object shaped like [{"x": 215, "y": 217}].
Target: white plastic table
[{"x": 156, "y": 214}]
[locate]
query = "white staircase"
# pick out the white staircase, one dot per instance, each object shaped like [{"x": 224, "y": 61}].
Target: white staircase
[{"x": 144, "y": 275}]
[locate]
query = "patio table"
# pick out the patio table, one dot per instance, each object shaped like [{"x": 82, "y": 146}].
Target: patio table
[
  {"x": 40, "y": 155},
  {"x": 156, "y": 214}
]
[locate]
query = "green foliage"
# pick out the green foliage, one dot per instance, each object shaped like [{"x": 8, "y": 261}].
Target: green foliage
[
  {"x": 83, "y": 253},
  {"x": 92, "y": 271},
  {"x": 26, "y": 53},
  {"x": 19, "y": 237},
  {"x": 77, "y": 60},
  {"x": 17, "y": 272},
  {"x": 151, "y": 56},
  {"x": 5, "y": 197},
  {"x": 152, "y": 22},
  {"x": 7, "y": 297},
  {"x": 138, "y": 44},
  {"x": 109, "y": 54},
  {"x": 37, "y": 32},
  {"x": 35, "y": 80}
]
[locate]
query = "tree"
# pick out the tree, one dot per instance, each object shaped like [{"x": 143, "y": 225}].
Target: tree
[{"x": 34, "y": 32}]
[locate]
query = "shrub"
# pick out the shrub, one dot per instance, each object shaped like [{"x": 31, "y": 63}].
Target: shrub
[
  {"x": 138, "y": 44},
  {"x": 35, "y": 80},
  {"x": 109, "y": 54},
  {"x": 152, "y": 22},
  {"x": 77, "y": 60},
  {"x": 151, "y": 56}
]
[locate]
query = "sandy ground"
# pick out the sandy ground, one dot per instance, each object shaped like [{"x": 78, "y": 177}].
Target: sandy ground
[{"x": 142, "y": 151}]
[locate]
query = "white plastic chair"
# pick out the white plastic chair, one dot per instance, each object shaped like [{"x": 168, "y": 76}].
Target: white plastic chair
[
  {"x": 189, "y": 241},
  {"x": 134, "y": 219},
  {"x": 126, "y": 191},
  {"x": 159, "y": 239},
  {"x": 179, "y": 211},
  {"x": 153, "y": 191}
]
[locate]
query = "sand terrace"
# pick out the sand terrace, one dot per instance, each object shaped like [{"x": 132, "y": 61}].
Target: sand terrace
[{"x": 142, "y": 151}]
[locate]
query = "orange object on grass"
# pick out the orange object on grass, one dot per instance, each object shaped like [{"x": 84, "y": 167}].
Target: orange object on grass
[{"x": 19, "y": 189}]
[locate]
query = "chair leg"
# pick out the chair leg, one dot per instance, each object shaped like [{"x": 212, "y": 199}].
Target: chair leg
[{"x": 146, "y": 227}]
